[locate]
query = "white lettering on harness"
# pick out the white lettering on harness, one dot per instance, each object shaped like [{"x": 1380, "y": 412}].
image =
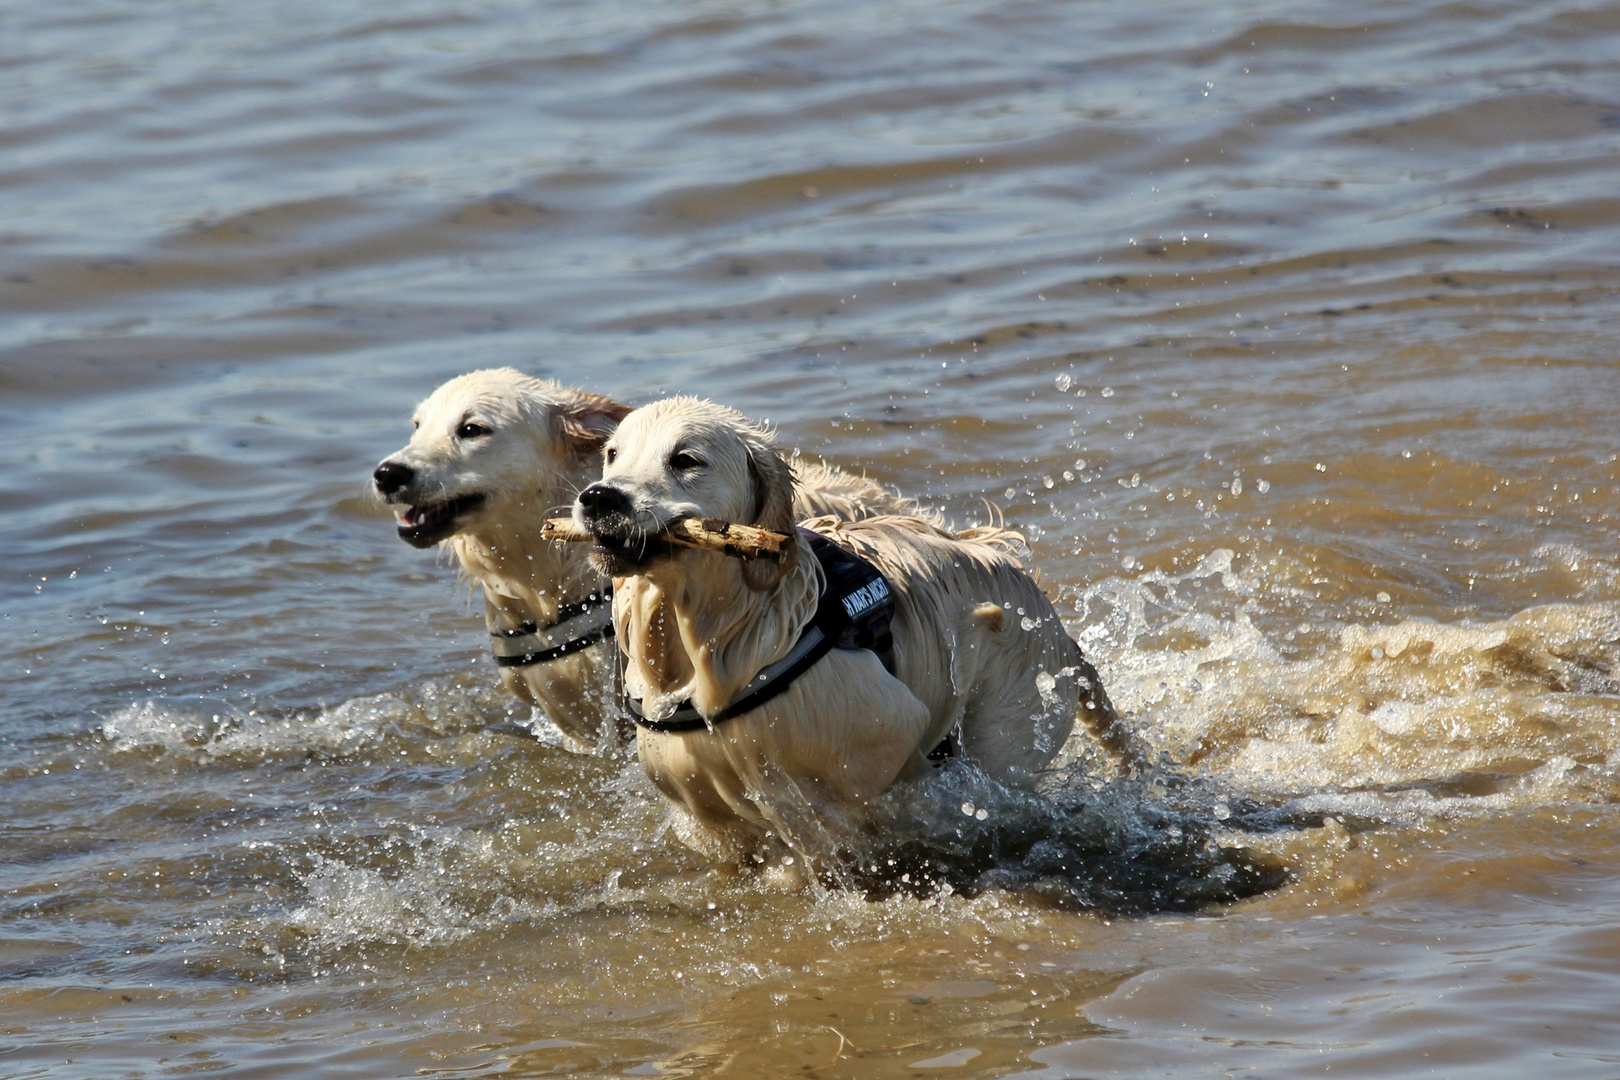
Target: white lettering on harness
[{"x": 865, "y": 598}]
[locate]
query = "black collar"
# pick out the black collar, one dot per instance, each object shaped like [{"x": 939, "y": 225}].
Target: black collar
[
  {"x": 577, "y": 626},
  {"x": 853, "y": 612}
]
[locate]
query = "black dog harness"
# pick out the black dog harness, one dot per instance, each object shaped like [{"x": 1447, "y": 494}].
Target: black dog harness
[
  {"x": 577, "y": 626},
  {"x": 853, "y": 612}
]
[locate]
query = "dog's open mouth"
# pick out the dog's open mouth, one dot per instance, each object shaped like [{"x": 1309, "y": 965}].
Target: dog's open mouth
[{"x": 425, "y": 525}]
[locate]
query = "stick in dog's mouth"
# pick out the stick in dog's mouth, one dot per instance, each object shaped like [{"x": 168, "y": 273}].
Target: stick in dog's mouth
[{"x": 709, "y": 534}]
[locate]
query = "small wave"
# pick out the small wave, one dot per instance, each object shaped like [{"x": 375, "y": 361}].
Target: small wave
[
  {"x": 175, "y": 728},
  {"x": 216, "y": 730},
  {"x": 428, "y": 887},
  {"x": 348, "y": 905}
]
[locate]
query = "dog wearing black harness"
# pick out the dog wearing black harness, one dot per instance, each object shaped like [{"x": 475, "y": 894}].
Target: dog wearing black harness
[{"x": 775, "y": 700}]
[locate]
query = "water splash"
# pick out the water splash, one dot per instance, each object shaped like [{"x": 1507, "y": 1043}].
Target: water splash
[
  {"x": 1269, "y": 760},
  {"x": 1458, "y": 711},
  {"x": 1120, "y": 846}
]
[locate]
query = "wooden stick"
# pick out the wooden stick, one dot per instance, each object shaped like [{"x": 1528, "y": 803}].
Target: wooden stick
[{"x": 710, "y": 534}]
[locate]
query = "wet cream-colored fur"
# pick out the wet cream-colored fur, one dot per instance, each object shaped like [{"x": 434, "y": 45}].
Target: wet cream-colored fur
[
  {"x": 542, "y": 446},
  {"x": 697, "y": 625}
]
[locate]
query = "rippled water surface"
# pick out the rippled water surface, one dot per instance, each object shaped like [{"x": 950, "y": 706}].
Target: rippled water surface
[{"x": 1285, "y": 332}]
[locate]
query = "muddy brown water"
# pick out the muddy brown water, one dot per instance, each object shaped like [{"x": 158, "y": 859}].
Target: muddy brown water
[{"x": 1285, "y": 332}]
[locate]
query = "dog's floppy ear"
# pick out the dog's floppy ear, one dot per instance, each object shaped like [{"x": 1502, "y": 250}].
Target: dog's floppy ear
[
  {"x": 588, "y": 419},
  {"x": 773, "y": 500}
]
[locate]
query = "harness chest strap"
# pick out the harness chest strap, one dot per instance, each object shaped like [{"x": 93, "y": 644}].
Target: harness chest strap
[
  {"x": 853, "y": 612},
  {"x": 577, "y": 626}
]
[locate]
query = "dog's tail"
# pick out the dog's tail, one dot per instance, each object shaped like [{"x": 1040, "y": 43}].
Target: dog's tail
[{"x": 1100, "y": 717}]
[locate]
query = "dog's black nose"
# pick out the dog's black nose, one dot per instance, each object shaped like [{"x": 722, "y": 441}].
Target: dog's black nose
[
  {"x": 599, "y": 501},
  {"x": 391, "y": 476}
]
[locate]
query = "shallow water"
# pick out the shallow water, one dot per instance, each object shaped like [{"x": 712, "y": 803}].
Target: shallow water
[{"x": 1285, "y": 333}]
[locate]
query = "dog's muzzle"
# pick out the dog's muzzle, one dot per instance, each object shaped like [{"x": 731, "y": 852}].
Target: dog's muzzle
[
  {"x": 421, "y": 524},
  {"x": 620, "y": 547}
]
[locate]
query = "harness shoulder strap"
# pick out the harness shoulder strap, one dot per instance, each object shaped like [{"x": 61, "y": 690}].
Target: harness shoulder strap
[{"x": 853, "y": 612}]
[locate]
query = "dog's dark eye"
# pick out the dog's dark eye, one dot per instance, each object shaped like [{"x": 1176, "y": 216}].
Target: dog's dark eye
[
  {"x": 612, "y": 454},
  {"x": 470, "y": 430},
  {"x": 685, "y": 461},
  {"x": 415, "y": 424}
]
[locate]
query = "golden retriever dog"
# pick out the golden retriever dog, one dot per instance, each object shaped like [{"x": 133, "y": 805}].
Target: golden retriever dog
[
  {"x": 978, "y": 665},
  {"x": 494, "y": 454}
]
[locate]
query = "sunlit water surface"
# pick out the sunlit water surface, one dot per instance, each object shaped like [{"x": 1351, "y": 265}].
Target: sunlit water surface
[{"x": 1285, "y": 333}]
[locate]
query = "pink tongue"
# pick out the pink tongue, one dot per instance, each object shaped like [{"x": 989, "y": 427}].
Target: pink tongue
[{"x": 416, "y": 515}]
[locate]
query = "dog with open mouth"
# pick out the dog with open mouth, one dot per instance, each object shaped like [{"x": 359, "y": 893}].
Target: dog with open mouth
[
  {"x": 496, "y": 452},
  {"x": 773, "y": 697}
]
